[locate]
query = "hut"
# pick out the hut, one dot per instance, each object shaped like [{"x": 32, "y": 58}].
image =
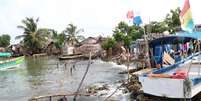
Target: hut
[{"x": 91, "y": 44}]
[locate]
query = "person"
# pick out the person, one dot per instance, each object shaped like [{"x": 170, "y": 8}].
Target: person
[{"x": 190, "y": 48}]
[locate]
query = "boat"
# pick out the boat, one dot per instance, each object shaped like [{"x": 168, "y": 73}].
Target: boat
[
  {"x": 71, "y": 56},
  {"x": 8, "y": 61},
  {"x": 177, "y": 77}
]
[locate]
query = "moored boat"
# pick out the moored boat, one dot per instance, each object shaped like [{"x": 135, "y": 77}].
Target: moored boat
[
  {"x": 7, "y": 61},
  {"x": 177, "y": 77},
  {"x": 71, "y": 56}
]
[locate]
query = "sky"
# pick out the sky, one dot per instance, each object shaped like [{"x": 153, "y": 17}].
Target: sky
[{"x": 96, "y": 17}]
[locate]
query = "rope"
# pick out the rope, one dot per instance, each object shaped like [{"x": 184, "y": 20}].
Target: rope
[{"x": 89, "y": 63}]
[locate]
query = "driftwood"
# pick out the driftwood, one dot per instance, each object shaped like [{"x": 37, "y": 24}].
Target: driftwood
[
  {"x": 39, "y": 55},
  {"x": 129, "y": 71},
  {"x": 70, "y": 57},
  {"x": 57, "y": 95}
]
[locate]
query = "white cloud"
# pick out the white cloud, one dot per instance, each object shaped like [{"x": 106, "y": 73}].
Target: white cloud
[{"x": 95, "y": 16}]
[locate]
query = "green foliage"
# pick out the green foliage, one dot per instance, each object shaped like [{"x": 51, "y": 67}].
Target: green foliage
[
  {"x": 122, "y": 27},
  {"x": 4, "y": 40},
  {"x": 125, "y": 33},
  {"x": 127, "y": 41},
  {"x": 118, "y": 36},
  {"x": 172, "y": 20},
  {"x": 34, "y": 39},
  {"x": 108, "y": 43},
  {"x": 135, "y": 32},
  {"x": 156, "y": 27},
  {"x": 170, "y": 24},
  {"x": 58, "y": 39},
  {"x": 72, "y": 32}
]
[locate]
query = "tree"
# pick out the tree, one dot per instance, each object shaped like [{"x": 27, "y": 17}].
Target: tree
[
  {"x": 127, "y": 41},
  {"x": 135, "y": 32},
  {"x": 33, "y": 38},
  {"x": 125, "y": 33},
  {"x": 58, "y": 39},
  {"x": 119, "y": 36},
  {"x": 172, "y": 20},
  {"x": 108, "y": 43},
  {"x": 4, "y": 40},
  {"x": 156, "y": 27},
  {"x": 72, "y": 32}
]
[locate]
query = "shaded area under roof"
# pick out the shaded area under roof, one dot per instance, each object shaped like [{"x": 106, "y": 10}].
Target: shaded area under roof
[
  {"x": 169, "y": 40},
  {"x": 178, "y": 38}
]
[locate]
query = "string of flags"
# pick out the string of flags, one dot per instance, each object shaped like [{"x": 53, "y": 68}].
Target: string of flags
[
  {"x": 187, "y": 23},
  {"x": 136, "y": 19}
]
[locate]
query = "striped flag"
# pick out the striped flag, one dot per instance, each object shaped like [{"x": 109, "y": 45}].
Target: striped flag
[{"x": 186, "y": 19}]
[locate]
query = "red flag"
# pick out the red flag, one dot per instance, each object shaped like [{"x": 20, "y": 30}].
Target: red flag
[{"x": 130, "y": 15}]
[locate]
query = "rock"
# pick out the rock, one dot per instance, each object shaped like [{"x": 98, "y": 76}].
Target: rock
[
  {"x": 133, "y": 85},
  {"x": 124, "y": 91},
  {"x": 130, "y": 71},
  {"x": 95, "y": 88},
  {"x": 63, "y": 99},
  {"x": 140, "y": 97}
]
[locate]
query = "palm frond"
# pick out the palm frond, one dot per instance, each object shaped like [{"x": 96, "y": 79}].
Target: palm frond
[
  {"x": 20, "y": 36},
  {"x": 80, "y": 30}
]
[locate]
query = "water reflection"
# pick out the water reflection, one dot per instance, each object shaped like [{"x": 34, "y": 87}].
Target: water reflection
[
  {"x": 41, "y": 76},
  {"x": 36, "y": 70}
]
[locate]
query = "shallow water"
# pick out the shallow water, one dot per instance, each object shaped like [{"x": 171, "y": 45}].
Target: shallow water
[{"x": 42, "y": 76}]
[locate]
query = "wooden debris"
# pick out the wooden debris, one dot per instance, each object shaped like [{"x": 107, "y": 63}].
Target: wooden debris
[
  {"x": 57, "y": 95},
  {"x": 168, "y": 59}
]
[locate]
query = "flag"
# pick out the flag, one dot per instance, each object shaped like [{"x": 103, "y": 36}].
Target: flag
[
  {"x": 186, "y": 19},
  {"x": 137, "y": 20},
  {"x": 130, "y": 14}
]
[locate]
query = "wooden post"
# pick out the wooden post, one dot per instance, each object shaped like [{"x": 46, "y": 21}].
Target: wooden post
[
  {"x": 147, "y": 58},
  {"x": 128, "y": 63},
  {"x": 50, "y": 98}
]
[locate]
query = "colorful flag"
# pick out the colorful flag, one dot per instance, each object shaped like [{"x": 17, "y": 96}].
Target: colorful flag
[
  {"x": 186, "y": 19},
  {"x": 137, "y": 20},
  {"x": 130, "y": 14}
]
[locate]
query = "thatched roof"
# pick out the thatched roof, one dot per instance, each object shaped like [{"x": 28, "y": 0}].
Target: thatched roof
[
  {"x": 85, "y": 49},
  {"x": 90, "y": 40}
]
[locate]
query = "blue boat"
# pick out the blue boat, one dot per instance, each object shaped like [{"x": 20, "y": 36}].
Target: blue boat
[{"x": 177, "y": 76}]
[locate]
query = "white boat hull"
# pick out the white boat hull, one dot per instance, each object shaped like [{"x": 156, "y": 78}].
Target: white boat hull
[
  {"x": 163, "y": 87},
  {"x": 167, "y": 87}
]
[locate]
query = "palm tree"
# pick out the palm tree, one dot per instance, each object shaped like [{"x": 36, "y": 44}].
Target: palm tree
[
  {"x": 33, "y": 38},
  {"x": 58, "y": 39},
  {"x": 72, "y": 34}
]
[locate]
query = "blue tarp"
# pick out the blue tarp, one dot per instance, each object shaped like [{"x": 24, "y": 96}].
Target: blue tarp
[
  {"x": 170, "y": 40},
  {"x": 179, "y": 37},
  {"x": 158, "y": 53},
  {"x": 196, "y": 35}
]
